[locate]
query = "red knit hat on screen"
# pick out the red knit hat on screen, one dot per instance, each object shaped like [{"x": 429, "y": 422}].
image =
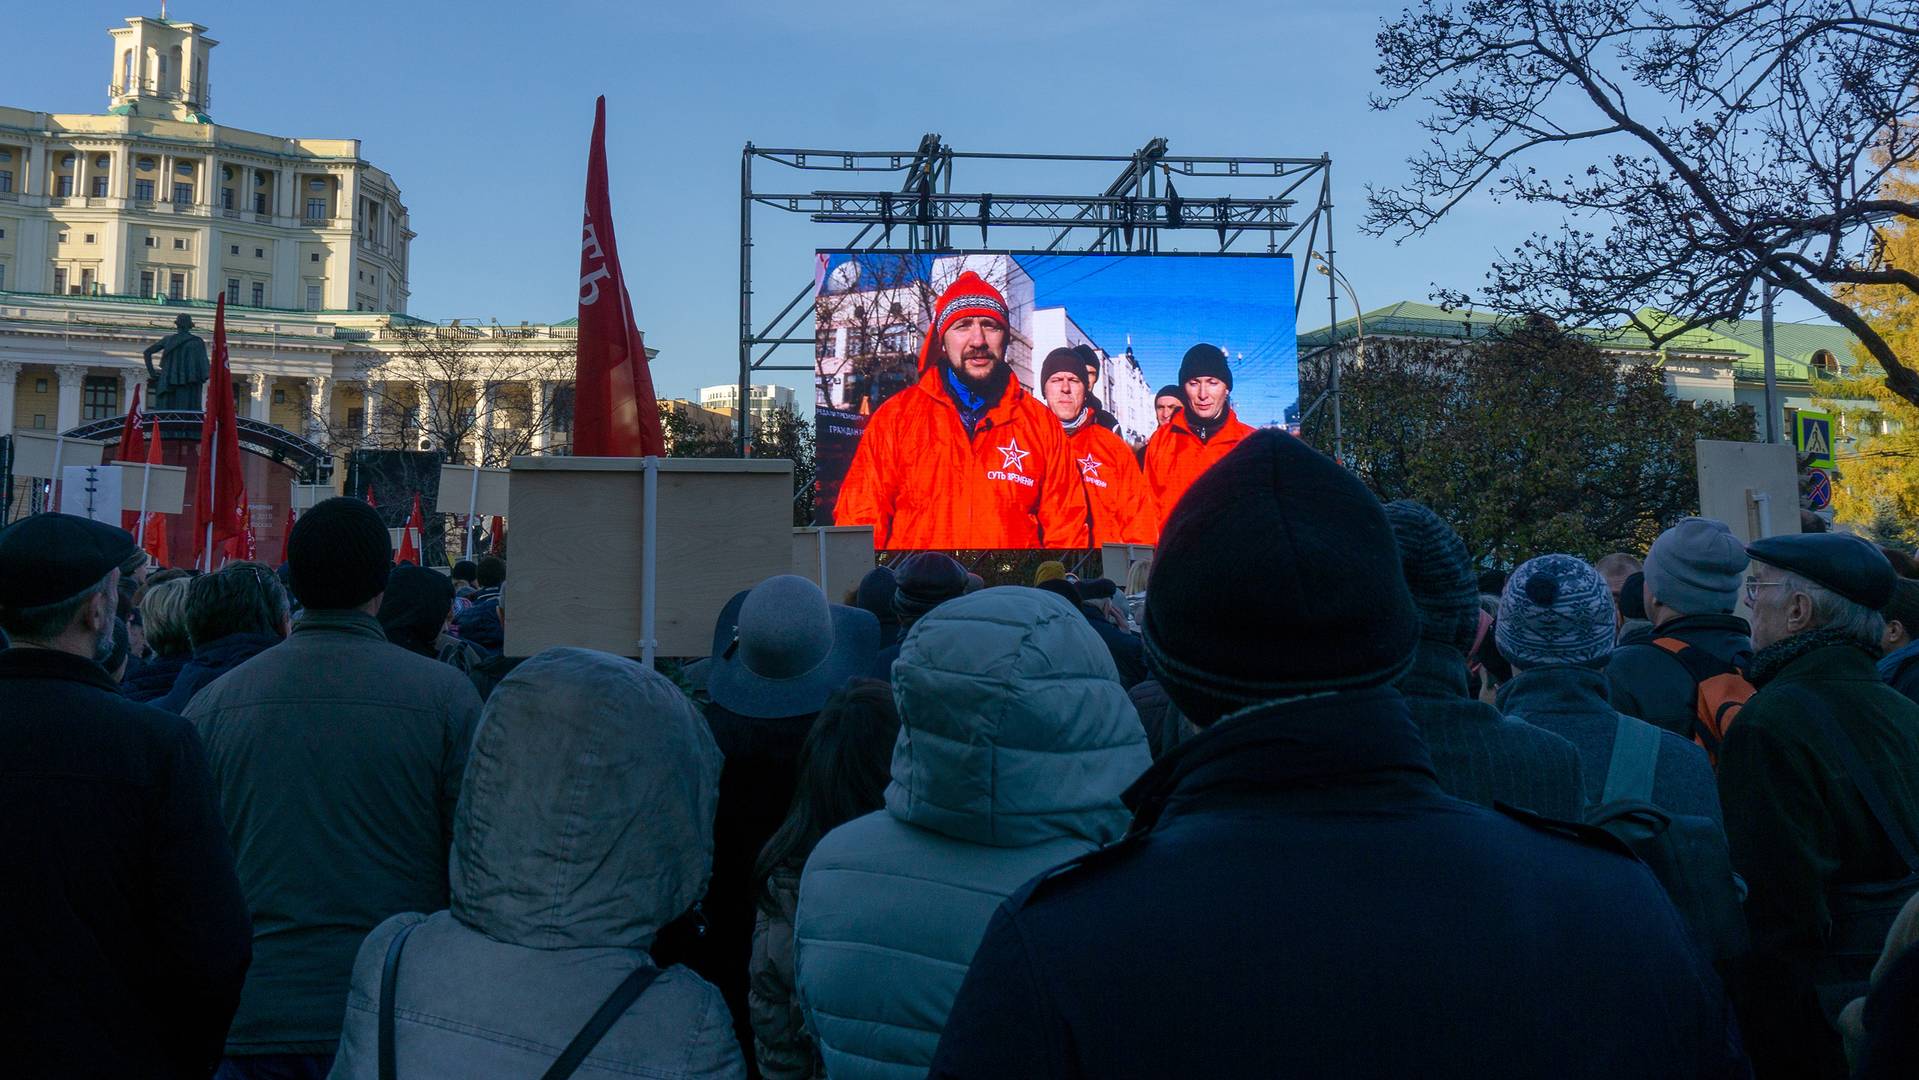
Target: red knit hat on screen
[{"x": 968, "y": 297}]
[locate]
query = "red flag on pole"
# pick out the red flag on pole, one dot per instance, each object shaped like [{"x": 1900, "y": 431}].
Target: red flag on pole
[
  {"x": 220, "y": 508},
  {"x": 614, "y": 410},
  {"x": 409, "y": 548},
  {"x": 496, "y": 537},
  {"x": 132, "y": 448},
  {"x": 286, "y": 538},
  {"x": 370, "y": 500},
  {"x": 155, "y": 538}
]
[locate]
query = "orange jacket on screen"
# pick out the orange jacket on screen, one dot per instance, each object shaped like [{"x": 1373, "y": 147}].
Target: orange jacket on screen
[
  {"x": 921, "y": 482},
  {"x": 1175, "y": 457},
  {"x": 1124, "y": 511}
]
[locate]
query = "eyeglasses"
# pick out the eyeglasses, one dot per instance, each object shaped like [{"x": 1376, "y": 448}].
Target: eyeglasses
[{"x": 1753, "y": 585}]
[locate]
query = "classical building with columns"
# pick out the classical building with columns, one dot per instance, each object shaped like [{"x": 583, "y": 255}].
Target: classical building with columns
[{"x": 113, "y": 224}]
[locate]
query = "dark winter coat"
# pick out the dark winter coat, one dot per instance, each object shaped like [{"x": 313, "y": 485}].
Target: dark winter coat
[
  {"x": 1480, "y": 756},
  {"x": 1128, "y": 655},
  {"x": 1646, "y": 681},
  {"x": 756, "y": 790},
  {"x": 338, "y": 757},
  {"x": 1798, "y": 825},
  {"x": 481, "y": 624},
  {"x": 151, "y": 678},
  {"x": 1901, "y": 671},
  {"x": 1571, "y": 702},
  {"x": 121, "y": 922},
  {"x": 1166, "y": 727},
  {"x": 211, "y": 662},
  {"x": 1298, "y": 897}
]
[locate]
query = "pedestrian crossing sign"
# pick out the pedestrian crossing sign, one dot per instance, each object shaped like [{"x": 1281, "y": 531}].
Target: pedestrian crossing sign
[{"x": 1812, "y": 435}]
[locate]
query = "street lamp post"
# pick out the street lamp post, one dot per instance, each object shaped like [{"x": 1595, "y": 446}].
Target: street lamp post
[{"x": 1359, "y": 351}]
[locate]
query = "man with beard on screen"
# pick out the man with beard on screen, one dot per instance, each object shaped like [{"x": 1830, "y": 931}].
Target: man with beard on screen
[
  {"x": 1200, "y": 433},
  {"x": 965, "y": 457},
  {"x": 1123, "y": 510}
]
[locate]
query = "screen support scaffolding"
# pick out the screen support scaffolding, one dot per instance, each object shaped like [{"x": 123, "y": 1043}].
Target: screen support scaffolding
[{"x": 1137, "y": 210}]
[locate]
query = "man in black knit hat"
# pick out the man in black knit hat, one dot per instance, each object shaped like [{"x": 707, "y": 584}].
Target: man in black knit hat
[
  {"x": 1200, "y": 434},
  {"x": 338, "y": 758},
  {"x": 1297, "y": 896}
]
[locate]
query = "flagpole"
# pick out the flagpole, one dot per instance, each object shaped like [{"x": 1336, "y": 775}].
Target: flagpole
[
  {"x": 649, "y": 540},
  {"x": 53, "y": 486},
  {"x": 146, "y": 477},
  {"x": 213, "y": 486}
]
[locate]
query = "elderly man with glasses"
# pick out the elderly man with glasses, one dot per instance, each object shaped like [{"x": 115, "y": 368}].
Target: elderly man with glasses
[{"x": 1819, "y": 779}]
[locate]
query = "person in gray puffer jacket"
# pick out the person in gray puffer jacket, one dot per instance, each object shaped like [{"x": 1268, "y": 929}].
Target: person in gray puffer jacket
[
  {"x": 585, "y": 825},
  {"x": 1015, "y": 743}
]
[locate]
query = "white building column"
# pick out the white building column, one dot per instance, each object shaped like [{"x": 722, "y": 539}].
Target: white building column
[
  {"x": 9, "y": 381},
  {"x": 542, "y": 431},
  {"x": 319, "y": 408},
  {"x": 72, "y": 379},
  {"x": 483, "y": 420},
  {"x": 131, "y": 377},
  {"x": 259, "y": 406}
]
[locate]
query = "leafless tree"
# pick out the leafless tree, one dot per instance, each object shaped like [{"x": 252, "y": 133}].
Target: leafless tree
[
  {"x": 426, "y": 394},
  {"x": 1721, "y": 146}
]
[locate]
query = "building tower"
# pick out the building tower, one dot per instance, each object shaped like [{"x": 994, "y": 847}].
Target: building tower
[{"x": 160, "y": 70}]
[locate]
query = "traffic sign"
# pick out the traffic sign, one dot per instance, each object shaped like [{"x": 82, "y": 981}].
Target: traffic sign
[
  {"x": 1818, "y": 489},
  {"x": 1812, "y": 435}
]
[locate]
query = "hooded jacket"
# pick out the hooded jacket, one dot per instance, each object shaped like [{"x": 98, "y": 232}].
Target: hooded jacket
[
  {"x": 585, "y": 825},
  {"x": 1175, "y": 457},
  {"x": 1015, "y": 744},
  {"x": 1122, "y": 505},
  {"x": 211, "y": 662},
  {"x": 922, "y": 482}
]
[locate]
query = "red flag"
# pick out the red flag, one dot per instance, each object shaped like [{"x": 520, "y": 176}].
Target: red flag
[
  {"x": 370, "y": 500},
  {"x": 614, "y": 410},
  {"x": 132, "y": 448},
  {"x": 220, "y": 509},
  {"x": 155, "y": 540},
  {"x": 286, "y": 538},
  {"x": 409, "y": 550},
  {"x": 496, "y": 537}
]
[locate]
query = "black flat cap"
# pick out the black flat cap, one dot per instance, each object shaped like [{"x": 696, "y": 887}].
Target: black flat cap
[
  {"x": 1845, "y": 564},
  {"x": 47, "y": 558}
]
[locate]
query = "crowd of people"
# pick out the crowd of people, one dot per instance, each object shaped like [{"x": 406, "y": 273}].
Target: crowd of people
[{"x": 1650, "y": 816}]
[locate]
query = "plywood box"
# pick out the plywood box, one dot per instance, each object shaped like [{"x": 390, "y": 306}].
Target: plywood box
[
  {"x": 574, "y": 564},
  {"x": 834, "y": 557}
]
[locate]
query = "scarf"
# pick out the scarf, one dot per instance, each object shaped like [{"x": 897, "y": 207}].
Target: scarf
[
  {"x": 1768, "y": 662},
  {"x": 1080, "y": 421},
  {"x": 972, "y": 404},
  {"x": 1206, "y": 429}
]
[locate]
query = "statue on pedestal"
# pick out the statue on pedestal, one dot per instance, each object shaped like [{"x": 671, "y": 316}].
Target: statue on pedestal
[{"x": 177, "y": 382}]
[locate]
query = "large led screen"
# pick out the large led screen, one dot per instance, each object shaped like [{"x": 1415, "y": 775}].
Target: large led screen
[{"x": 995, "y": 401}]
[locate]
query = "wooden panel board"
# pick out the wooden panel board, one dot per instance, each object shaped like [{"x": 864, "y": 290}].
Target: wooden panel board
[
  {"x": 33, "y": 453},
  {"x": 1752, "y": 487},
  {"x": 166, "y": 487},
  {"x": 848, "y": 556},
  {"x": 574, "y": 564},
  {"x": 456, "y": 489}
]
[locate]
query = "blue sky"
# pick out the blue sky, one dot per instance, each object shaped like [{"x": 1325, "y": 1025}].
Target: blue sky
[{"x": 481, "y": 111}]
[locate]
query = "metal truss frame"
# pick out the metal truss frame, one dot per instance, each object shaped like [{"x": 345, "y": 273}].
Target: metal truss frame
[{"x": 1131, "y": 216}]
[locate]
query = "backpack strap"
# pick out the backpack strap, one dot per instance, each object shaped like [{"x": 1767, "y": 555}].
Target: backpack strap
[
  {"x": 389, "y": 978},
  {"x": 615, "y": 1006},
  {"x": 1635, "y": 754},
  {"x": 1861, "y": 777}
]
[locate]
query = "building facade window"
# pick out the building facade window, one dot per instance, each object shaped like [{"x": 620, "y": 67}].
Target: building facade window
[
  {"x": 313, "y": 298},
  {"x": 146, "y": 283},
  {"x": 259, "y": 253},
  {"x": 3, "y": 277},
  {"x": 259, "y": 203},
  {"x": 259, "y": 294},
  {"x": 176, "y": 286},
  {"x": 99, "y": 187},
  {"x": 143, "y": 189},
  {"x": 179, "y": 243},
  {"x": 64, "y": 187},
  {"x": 99, "y": 397},
  {"x": 316, "y": 209},
  {"x": 183, "y": 193},
  {"x": 152, "y": 241},
  {"x": 226, "y": 198},
  {"x": 86, "y": 279},
  {"x": 61, "y": 237},
  {"x": 89, "y": 237},
  {"x": 233, "y": 289},
  {"x": 183, "y": 168},
  {"x": 60, "y": 279},
  {"x": 6, "y": 179}
]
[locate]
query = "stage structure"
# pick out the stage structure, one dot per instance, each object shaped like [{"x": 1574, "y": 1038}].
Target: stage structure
[{"x": 1139, "y": 210}]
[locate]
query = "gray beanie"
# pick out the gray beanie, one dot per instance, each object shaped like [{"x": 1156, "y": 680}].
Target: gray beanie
[
  {"x": 1695, "y": 566},
  {"x": 1556, "y": 610}
]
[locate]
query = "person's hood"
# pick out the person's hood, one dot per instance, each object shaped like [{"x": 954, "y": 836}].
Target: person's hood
[
  {"x": 586, "y": 814},
  {"x": 1893, "y": 662},
  {"x": 1013, "y": 726}
]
